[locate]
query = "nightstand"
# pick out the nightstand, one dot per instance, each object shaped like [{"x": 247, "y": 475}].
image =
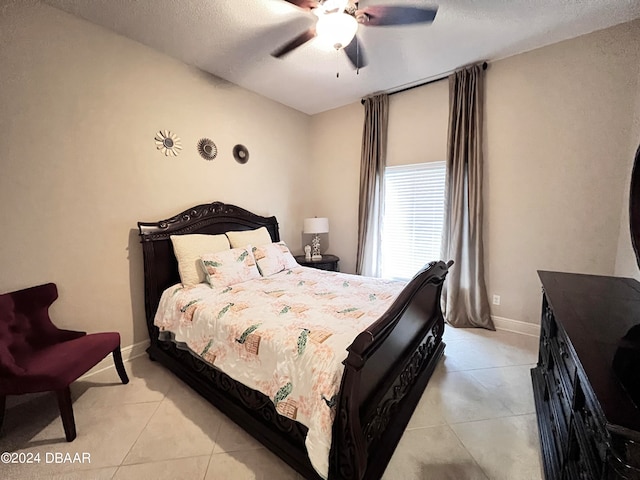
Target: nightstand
[{"x": 328, "y": 262}]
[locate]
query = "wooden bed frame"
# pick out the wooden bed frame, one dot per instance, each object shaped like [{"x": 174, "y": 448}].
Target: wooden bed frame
[{"x": 386, "y": 370}]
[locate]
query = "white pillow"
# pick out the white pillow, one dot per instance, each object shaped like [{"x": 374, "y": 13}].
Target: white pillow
[
  {"x": 259, "y": 236},
  {"x": 189, "y": 249},
  {"x": 229, "y": 267},
  {"x": 273, "y": 258}
]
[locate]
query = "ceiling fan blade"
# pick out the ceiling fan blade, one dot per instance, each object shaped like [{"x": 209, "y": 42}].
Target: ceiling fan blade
[
  {"x": 295, "y": 43},
  {"x": 379, "y": 16},
  {"x": 355, "y": 53},
  {"x": 306, "y": 4}
]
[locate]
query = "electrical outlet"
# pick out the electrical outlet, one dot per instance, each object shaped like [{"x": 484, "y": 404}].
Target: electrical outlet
[{"x": 496, "y": 299}]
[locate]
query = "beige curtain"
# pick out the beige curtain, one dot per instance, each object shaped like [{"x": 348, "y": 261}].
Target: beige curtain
[
  {"x": 465, "y": 293},
  {"x": 372, "y": 164}
]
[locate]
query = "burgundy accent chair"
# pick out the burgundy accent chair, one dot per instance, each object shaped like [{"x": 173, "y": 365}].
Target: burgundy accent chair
[{"x": 36, "y": 356}]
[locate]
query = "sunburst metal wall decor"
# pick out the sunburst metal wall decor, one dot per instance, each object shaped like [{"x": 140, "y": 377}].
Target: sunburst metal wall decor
[
  {"x": 168, "y": 143},
  {"x": 207, "y": 149}
]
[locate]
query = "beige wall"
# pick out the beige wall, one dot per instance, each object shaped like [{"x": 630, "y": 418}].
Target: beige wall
[
  {"x": 333, "y": 179},
  {"x": 558, "y": 130},
  {"x": 79, "y": 167},
  {"x": 418, "y": 122}
]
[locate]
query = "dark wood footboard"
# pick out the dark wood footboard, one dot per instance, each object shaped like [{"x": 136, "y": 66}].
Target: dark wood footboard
[
  {"x": 386, "y": 370},
  {"x": 385, "y": 374}
]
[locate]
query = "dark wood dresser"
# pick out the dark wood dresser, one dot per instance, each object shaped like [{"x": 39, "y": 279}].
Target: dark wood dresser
[{"x": 587, "y": 381}]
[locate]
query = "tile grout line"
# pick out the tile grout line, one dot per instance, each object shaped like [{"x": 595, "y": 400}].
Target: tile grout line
[
  {"x": 489, "y": 368},
  {"x": 206, "y": 471},
  {"x": 152, "y": 462},
  {"x": 488, "y": 390},
  {"x": 492, "y": 418},
  {"x": 213, "y": 448},
  {"x": 513, "y": 414},
  {"x": 210, "y": 454},
  {"x": 470, "y": 454},
  {"x": 138, "y": 437},
  {"x": 477, "y": 421}
]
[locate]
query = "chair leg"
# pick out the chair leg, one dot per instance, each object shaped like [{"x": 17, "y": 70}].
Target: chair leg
[
  {"x": 3, "y": 402},
  {"x": 66, "y": 412},
  {"x": 117, "y": 359}
]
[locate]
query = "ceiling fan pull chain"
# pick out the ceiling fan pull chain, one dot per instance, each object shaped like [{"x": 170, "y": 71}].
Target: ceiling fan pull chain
[{"x": 337, "y": 65}]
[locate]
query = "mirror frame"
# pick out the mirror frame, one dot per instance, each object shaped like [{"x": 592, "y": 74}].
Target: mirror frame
[{"x": 634, "y": 206}]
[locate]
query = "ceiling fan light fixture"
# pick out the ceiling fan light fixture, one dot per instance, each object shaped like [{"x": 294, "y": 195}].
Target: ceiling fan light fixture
[
  {"x": 336, "y": 30},
  {"x": 332, "y": 6}
]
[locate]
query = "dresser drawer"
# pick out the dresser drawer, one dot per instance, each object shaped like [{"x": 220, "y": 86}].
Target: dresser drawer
[
  {"x": 544, "y": 354},
  {"x": 556, "y": 338},
  {"x": 549, "y": 328},
  {"x": 551, "y": 448},
  {"x": 572, "y": 472},
  {"x": 592, "y": 423},
  {"x": 559, "y": 421},
  {"x": 564, "y": 381},
  {"x": 565, "y": 356},
  {"x": 589, "y": 457}
]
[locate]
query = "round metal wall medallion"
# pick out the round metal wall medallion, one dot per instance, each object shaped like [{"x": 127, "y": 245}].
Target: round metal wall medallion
[
  {"x": 168, "y": 143},
  {"x": 241, "y": 154},
  {"x": 207, "y": 149}
]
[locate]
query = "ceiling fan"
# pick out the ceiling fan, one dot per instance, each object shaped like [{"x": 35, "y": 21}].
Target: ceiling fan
[{"x": 338, "y": 21}]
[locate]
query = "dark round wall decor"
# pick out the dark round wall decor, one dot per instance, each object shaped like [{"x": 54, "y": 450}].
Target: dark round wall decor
[
  {"x": 241, "y": 154},
  {"x": 207, "y": 149}
]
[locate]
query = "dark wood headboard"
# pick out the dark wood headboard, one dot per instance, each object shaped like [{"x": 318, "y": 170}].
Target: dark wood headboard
[{"x": 160, "y": 264}]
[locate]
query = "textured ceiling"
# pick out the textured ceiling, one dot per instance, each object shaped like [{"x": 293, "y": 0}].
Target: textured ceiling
[{"x": 233, "y": 39}]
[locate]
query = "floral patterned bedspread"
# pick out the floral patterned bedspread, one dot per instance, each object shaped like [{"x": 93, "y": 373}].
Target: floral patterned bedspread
[{"x": 285, "y": 335}]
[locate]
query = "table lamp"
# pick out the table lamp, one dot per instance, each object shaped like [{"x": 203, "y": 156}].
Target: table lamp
[{"x": 316, "y": 226}]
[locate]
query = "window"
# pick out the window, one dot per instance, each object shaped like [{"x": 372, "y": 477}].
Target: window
[{"x": 412, "y": 219}]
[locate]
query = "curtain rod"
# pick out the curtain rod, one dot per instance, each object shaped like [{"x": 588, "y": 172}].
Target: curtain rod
[{"x": 484, "y": 67}]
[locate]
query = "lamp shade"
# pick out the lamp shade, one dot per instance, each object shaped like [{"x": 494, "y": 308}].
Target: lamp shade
[{"x": 316, "y": 225}]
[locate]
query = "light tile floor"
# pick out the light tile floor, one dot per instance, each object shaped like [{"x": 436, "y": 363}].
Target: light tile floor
[{"x": 476, "y": 420}]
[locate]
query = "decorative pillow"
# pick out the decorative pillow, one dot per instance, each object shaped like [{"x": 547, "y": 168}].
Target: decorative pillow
[
  {"x": 273, "y": 258},
  {"x": 189, "y": 249},
  {"x": 259, "y": 236},
  {"x": 229, "y": 267}
]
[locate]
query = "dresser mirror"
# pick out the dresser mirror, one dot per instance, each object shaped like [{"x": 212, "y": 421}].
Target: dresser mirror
[{"x": 634, "y": 206}]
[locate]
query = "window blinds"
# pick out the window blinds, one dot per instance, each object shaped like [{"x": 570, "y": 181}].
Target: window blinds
[{"x": 413, "y": 218}]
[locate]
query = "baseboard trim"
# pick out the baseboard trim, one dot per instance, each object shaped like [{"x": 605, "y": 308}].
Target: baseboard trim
[
  {"x": 128, "y": 354},
  {"x": 516, "y": 326}
]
